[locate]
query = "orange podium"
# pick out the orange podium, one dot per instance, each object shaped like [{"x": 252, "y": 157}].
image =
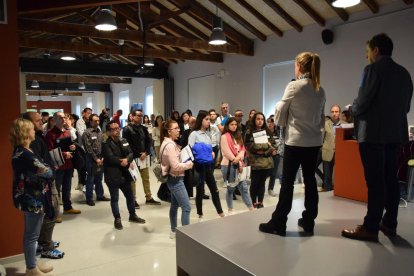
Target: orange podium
[{"x": 349, "y": 179}]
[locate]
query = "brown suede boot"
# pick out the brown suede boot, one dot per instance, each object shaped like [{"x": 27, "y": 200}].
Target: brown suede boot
[
  {"x": 45, "y": 268},
  {"x": 34, "y": 272}
]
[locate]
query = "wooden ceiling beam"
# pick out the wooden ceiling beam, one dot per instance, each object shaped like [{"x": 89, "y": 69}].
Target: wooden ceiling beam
[
  {"x": 311, "y": 12},
  {"x": 236, "y": 17},
  {"x": 30, "y": 6},
  {"x": 75, "y": 79},
  {"x": 78, "y": 30},
  {"x": 340, "y": 12},
  {"x": 260, "y": 17},
  {"x": 372, "y": 5},
  {"x": 114, "y": 50},
  {"x": 181, "y": 21},
  {"x": 165, "y": 17},
  {"x": 49, "y": 93},
  {"x": 198, "y": 11},
  {"x": 278, "y": 9}
]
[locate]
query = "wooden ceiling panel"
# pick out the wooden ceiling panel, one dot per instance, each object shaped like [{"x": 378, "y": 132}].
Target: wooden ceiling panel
[{"x": 176, "y": 30}]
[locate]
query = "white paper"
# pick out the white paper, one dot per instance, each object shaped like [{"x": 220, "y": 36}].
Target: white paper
[
  {"x": 186, "y": 154},
  {"x": 142, "y": 164},
  {"x": 260, "y": 137},
  {"x": 134, "y": 170}
]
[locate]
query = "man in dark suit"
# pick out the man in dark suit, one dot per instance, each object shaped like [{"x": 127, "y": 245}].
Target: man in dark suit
[{"x": 380, "y": 113}]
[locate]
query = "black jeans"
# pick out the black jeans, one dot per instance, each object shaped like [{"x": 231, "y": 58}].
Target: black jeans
[
  {"x": 126, "y": 189},
  {"x": 380, "y": 163},
  {"x": 212, "y": 186},
  {"x": 257, "y": 187},
  {"x": 293, "y": 158}
]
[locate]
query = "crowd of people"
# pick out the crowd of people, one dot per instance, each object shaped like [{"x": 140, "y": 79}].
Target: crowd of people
[{"x": 298, "y": 135}]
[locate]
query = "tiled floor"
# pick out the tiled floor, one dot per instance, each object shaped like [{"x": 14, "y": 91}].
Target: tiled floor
[{"x": 93, "y": 247}]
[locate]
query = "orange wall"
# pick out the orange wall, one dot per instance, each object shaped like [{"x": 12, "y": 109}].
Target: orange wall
[
  {"x": 11, "y": 220},
  {"x": 65, "y": 105}
]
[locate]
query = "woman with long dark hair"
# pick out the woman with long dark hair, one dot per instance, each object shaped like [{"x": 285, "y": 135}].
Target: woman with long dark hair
[
  {"x": 174, "y": 168},
  {"x": 301, "y": 111},
  {"x": 156, "y": 134},
  {"x": 201, "y": 134},
  {"x": 260, "y": 157},
  {"x": 233, "y": 152}
]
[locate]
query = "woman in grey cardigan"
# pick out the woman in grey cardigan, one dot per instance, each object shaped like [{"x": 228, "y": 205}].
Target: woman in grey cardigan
[{"x": 301, "y": 111}]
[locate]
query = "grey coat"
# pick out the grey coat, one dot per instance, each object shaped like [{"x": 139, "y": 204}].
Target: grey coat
[{"x": 383, "y": 101}]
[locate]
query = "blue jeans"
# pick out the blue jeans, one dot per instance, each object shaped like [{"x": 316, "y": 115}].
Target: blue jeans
[
  {"x": 243, "y": 187},
  {"x": 63, "y": 185},
  {"x": 179, "y": 198},
  {"x": 32, "y": 224},
  {"x": 93, "y": 179},
  {"x": 273, "y": 172},
  {"x": 127, "y": 191}
]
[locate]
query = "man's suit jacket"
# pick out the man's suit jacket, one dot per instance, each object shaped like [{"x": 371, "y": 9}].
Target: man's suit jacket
[
  {"x": 112, "y": 151},
  {"x": 383, "y": 101}
]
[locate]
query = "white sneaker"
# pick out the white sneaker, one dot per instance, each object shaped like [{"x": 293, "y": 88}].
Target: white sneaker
[
  {"x": 172, "y": 235},
  {"x": 271, "y": 193},
  {"x": 230, "y": 212},
  {"x": 200, "y": 219}
]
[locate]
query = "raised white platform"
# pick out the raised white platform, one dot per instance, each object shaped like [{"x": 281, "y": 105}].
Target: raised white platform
[{"x": 234, "y": 246}]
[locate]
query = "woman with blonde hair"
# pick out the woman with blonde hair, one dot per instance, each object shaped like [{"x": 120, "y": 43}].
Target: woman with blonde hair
[
  {"x": 32, "y": 190},
  {"x": 173, "y": 167},
  {"x": 301, "y": 111}
]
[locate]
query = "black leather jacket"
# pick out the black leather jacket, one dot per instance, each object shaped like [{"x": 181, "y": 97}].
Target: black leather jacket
[
  {"x": 112, "y": 151},
  {"x": 138, "y": 139}
]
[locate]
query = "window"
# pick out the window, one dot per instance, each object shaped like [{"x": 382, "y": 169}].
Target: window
[
  {"x": 89, "y": 102},
  {"x": 275, "y": 78},
  {"x": 123, "y": 102},
  {"x": 149, "y": 100}
]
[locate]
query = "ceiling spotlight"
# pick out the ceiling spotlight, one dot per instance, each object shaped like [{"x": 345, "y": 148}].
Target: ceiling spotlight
[
  {"x": 82, "y": 86},
  {"x": 105, "y": 21},
  {"x": 35, "y": 84},
  {"x": 149, "y": 62},
  {"x": 46, "y": 53},
  {"x": 68, "y": 56},
  {"x": 54, "y": 95},
  {"x": 345, "y": 3}
]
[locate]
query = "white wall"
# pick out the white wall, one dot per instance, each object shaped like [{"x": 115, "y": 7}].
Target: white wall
[
  {"x": 342, "y": 62},
  {"x": 136, "y": 91}
]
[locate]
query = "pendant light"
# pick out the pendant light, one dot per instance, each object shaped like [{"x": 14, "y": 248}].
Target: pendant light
[
  {"x": 217, "y": 36},
  {"x": 68, "y": 56},
  {"x": 105, "y": 21},
  {"x": 35, "y": 84},
  {"x": 345, "y": 3},
  {"x": 81, "y": 86}
]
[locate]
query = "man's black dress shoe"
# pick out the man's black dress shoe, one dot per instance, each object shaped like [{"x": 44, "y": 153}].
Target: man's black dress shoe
[{"x": 270, "y": 229}]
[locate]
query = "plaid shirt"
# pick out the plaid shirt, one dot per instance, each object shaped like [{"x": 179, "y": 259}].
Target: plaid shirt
[{"x": 92, "y": 141}]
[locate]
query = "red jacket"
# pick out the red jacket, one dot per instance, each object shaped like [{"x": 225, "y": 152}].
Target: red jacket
[{"x": 51, "y": 137}]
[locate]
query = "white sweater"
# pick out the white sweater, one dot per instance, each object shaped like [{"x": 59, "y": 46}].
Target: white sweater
[{"x": 301, "y": 111}]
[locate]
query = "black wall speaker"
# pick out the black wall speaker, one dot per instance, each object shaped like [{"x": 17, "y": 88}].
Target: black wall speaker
[{"x": 327, "y": 36}]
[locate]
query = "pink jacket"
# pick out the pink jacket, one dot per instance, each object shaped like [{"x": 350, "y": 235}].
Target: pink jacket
[
  {"x": 227, "y": 153},
  {"x": 170, "y": 159}
]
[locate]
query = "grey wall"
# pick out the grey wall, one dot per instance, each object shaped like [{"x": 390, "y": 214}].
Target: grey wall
[{"x": 342, "y": 61}]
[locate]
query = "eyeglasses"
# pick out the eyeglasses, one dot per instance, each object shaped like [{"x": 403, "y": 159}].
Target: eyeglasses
[
  {"x": 114, "y": 129},
  {"x": 139, "y": 115},
  {"x": 238, "y": 115}
]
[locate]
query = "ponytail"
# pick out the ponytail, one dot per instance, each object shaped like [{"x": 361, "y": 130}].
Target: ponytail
[
  {"x": 310, "y": 63},
  {"x": 315, "y": 71}
]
